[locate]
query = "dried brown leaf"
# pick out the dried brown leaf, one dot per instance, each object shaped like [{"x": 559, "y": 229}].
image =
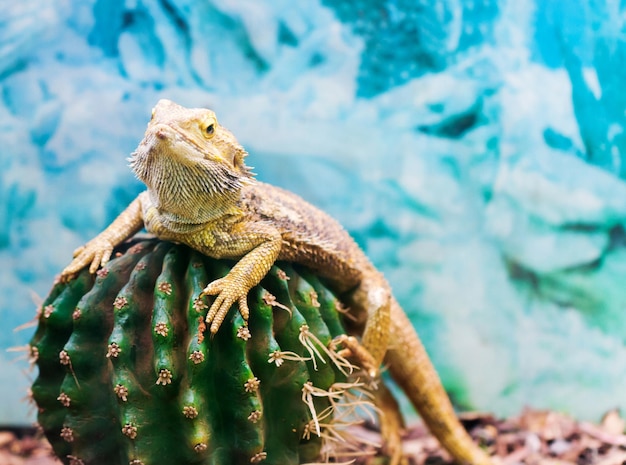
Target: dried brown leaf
[
  {"x": 615, "y": 458},
  {"x": 601, "y": 435},
  {"x": 613, "y": 423}
]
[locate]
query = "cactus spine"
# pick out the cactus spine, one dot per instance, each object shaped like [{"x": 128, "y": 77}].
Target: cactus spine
[{"x": 127, "y": 376}]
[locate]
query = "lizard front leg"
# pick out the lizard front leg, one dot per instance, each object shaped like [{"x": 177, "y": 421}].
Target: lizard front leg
[
  {"x": 97, "y": 251},
  {"x": 262, "y": 244}
]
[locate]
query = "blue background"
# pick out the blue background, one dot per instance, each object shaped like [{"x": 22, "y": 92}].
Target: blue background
[{"x": 474, "y": 148}]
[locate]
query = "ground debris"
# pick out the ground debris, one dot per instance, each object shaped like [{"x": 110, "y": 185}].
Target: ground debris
[
  {"x": 24, "y": 446},
  {"x": 535, "y": 437}
]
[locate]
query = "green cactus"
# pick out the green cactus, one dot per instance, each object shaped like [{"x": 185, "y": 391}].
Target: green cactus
[{"x": 127, "y": 376}]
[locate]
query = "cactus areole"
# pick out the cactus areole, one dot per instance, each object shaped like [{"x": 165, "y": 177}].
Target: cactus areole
[{"x": 129, "y": 375}]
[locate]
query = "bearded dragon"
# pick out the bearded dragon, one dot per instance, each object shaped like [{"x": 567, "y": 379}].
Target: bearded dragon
[{"x": 201, "y": 193}]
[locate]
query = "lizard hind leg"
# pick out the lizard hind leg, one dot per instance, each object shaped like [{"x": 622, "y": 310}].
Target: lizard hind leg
[{"x": 389, "y": 416}]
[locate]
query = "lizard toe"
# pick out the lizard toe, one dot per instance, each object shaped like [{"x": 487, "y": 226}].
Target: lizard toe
[
  {"x": 66, "y": 277},
  {"x": 70, "y": 271},
  {"x": 213, "y": 288},
  {"x": 95, "y": 263},
  {"x": 215, "y": 307},
  {"x": 243, "y": 307},
  {"x": 106, "y": 256},
  {"x": 220, "y": 315}
]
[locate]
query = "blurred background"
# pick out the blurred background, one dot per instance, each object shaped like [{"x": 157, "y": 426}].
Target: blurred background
[{"x": 474, "y": 148}]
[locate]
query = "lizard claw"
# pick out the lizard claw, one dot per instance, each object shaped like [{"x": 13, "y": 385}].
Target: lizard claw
[{"x": 228, "y": 293}]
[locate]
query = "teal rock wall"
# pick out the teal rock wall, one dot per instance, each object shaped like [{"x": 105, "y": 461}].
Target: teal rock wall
[{"x": 474, "y": 148}]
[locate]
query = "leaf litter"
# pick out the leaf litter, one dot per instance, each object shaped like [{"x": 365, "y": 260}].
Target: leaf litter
[{"x": 535, "y": 437}]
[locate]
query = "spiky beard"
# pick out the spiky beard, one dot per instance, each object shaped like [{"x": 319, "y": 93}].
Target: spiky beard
[{"x": 189, "y": 191}]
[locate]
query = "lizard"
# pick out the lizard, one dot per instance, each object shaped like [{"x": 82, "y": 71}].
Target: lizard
[{"x": 201, "y": 193}]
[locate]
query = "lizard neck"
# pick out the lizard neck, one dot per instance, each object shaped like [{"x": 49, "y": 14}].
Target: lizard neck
[{"x": 181, "y": 215}]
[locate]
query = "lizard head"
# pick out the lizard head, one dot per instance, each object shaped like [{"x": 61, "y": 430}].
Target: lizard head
[{"x": 186, "y": 150}]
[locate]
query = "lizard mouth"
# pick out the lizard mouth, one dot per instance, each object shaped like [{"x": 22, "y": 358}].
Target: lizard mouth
[{"x": 164, "y": 147}]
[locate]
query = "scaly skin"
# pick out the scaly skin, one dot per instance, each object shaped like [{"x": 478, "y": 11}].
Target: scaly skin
[{"x": 201, "y": 193}]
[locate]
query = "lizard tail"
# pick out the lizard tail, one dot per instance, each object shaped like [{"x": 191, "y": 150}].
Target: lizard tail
[{"x": 412, "y": 369}]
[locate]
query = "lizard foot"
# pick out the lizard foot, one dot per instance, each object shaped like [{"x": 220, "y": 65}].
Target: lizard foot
[
  {"x": 353, "y": 348},
  {"x": 95, "y": 253},
  {"x": 228, "y": 291}
]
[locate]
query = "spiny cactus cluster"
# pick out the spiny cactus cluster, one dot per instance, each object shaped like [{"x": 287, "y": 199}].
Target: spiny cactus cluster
[{"x": 129, "y": 374}]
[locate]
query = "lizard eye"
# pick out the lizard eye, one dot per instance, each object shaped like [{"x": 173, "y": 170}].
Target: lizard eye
[{"x": 210, "y": 129}]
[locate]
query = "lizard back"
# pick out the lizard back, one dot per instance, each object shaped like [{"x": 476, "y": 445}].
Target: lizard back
[{"x": 310, "y": 236}]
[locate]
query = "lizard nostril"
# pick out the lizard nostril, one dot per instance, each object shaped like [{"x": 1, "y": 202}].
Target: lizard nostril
[{"x": 160, "y": 133}]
